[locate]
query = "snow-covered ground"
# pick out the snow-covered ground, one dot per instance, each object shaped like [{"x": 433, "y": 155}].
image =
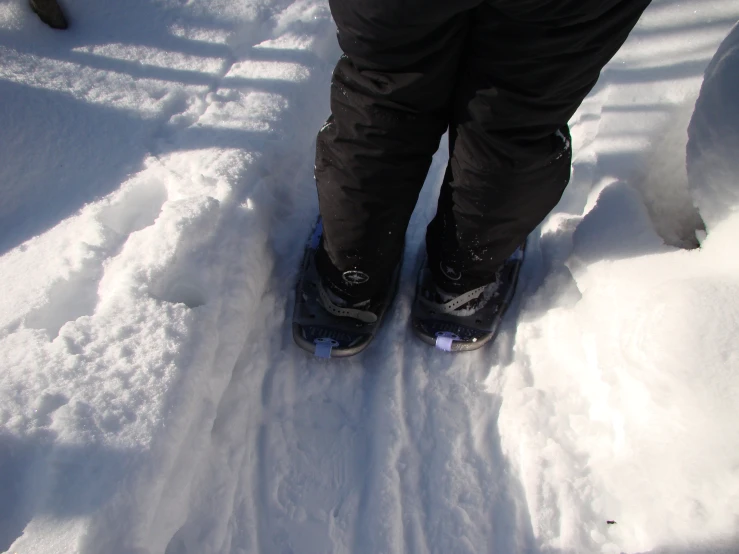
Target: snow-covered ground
[{"x": 155, "y": 195}]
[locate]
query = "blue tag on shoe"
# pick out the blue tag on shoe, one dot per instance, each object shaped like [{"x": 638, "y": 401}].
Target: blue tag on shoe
[
  {"x": 324, "y": 346},
  {"x": 444, "y": 341}
]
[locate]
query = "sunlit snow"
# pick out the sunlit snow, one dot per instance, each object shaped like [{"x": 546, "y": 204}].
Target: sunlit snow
[{"x": 156, "y": 191}]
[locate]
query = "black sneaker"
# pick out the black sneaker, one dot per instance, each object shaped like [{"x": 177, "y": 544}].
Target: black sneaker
[
  {"x": 464, "y": 321},
  {"x": 327, "y": 325}
]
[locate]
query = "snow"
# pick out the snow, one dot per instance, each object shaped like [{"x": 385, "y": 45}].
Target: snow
[
  {"x": 155, "y": 195},
  {"x": 712, "y": 146}
]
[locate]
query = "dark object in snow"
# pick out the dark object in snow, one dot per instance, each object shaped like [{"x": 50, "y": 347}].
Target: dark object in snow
[
  {"x": 611, "y": 522},
  {"x": 503, "y": 77},
  {"x": 331, "y": 330},
  {"x": 50, "y": 13},
  {"x": 467, "y": 321}
]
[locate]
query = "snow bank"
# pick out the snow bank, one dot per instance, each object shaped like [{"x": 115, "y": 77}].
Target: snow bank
[
  {"x": 713, "y": 164},
  {"x": 620, "y": 403}
]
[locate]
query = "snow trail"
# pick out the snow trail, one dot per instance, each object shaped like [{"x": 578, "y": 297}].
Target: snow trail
[{"x": 152, "y": 401}]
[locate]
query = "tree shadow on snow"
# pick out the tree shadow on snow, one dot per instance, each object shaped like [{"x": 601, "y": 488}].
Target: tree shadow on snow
[
  {"x": 59, "y": 174},
  {"x": 39, "y": 477},
  {"x": 61, "y": 152}
]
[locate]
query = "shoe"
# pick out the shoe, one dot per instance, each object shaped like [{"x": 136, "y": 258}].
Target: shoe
[
  {"x": 326, "y": 324},
  {"x": 464, "y": 321}
]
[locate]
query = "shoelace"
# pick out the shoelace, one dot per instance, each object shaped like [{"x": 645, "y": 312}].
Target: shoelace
[
  {"x": 364, "y": 316},
  {"x": 456, "y": 302},
  {"x": 453, "y": 305}
]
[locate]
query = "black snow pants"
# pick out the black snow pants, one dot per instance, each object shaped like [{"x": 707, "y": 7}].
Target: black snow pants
[{"x": 504, "y": 77}]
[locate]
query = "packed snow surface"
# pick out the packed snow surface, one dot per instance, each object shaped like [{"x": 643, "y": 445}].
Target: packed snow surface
[{"x": 155, "y": 196}]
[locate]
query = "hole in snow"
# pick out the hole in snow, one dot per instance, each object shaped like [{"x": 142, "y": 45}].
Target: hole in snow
[
  {"x": 182, "y": 291},
  {"x": 135, "y": 207},
  {"x": 68, "y": 300}
]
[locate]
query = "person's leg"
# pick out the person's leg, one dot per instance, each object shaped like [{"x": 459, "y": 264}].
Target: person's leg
[
  {"x": 527, "y": 67},
  {"x": 390, "y": 101}
]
